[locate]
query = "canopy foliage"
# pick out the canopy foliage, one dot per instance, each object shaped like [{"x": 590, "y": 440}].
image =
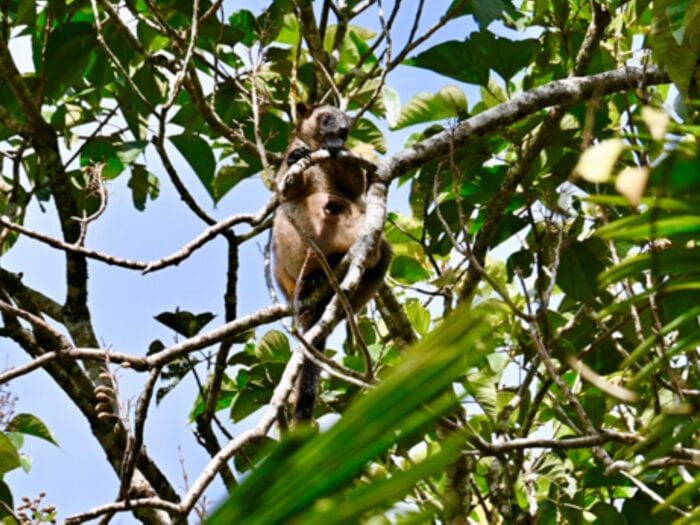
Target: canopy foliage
[{"x": 534, "y": 356}]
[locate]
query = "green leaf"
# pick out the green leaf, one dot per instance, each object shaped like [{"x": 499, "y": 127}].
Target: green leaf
[
  {"x": 144, "y": 185},
  {"x": 184, "y": 322},
  {"x": 273, "y": 347},
  {"x": 408, "y": 269},
  {"x": 151, "y": 83},
  {"x": 244, "y": 25},
  {"x": 253, "y": 453},
  {"x": 578, "y": 271},
  {"x": 248, "y": 400},
  {"x": 392, "y": 105},
  {"x": 32, "y": 426},
  {"x": 302, "y": 471},
  {"x": 26, "y": 13},
  {"x": 484, "y": 11},
  {"x": 690, "y": 342},
  {"x": 9, "y": 456},
  {"x": 7, "y": 499},
  {"x": 104, "y": 151},
  {"x": 199, "y": 156},
  {"x": 646, "y": 345},
  {"x": 519, "y": 262},
  {"x": 483, "y": 389},
  {"x": 650, "y": 202},
  {"x": 367, "y": 132},
  {"x": 354, "y": 47},
  {"x": 290, "y": 33},
  {"x": 639, "y": 227},
  {"x": 374, "y": 496},
  {"x": 272, "y": 20},
  {"x": 675, "y": 39},
  {"x": 607, "y": 514},
  {"x": 418, "y": 315},
  {"x": 69, "y": 49},
  {"x": 449, "y": 102},
  {"x": 151, "y": 39},
  {"x": 672, "y": 260},
  {"x": 470, "y": 61}
]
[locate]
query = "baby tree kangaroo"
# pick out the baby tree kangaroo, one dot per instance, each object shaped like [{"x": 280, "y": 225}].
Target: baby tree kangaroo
[{"x": 327, "y": 202}]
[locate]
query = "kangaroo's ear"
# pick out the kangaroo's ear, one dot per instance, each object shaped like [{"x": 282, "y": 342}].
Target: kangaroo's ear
[{"x": 304, "y": 110}]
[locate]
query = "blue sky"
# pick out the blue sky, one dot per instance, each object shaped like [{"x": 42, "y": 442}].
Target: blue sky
[{"x": 124, "y": 302}]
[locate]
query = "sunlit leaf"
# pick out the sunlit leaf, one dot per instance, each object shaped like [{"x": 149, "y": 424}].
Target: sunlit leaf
[
  {"x": 310, "y": 469},
  {"x": 597, "y": 162},
  {"x": 673, "y": 260},
  {"x": 273, "y": 347},
  {"x": 418, "y": 315},
  {"x": 366, "y": 131},
  {"x": 657, "y": 121},
  {"x": 408, "y": 269},
  {"x": 647, "y": 226},
  {"x": 392, "y": 103},
  {"x": 31, "y": 426},
  {"x": 9, "y": 457},
  {"x": 449, "y": 102},
  {"x": 631, "y": 182}
]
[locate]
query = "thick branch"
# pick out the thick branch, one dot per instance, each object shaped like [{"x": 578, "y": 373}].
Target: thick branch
[{"x": 567, "y": 92}]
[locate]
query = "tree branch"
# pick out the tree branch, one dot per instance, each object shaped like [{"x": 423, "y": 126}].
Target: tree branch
[{"x": 568, "y": 92}]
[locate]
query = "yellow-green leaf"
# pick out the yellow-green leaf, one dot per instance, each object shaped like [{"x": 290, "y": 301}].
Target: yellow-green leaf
[{"x": 597, "y": 162}]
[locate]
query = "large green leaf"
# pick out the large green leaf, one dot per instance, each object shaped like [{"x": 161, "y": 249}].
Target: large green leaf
[
  {"x": 9, "y": 456},
  {"x": 105, "y": 152},
  {"x": 229, "y": 176},
  {"x": 401, "y": 405},
  {"x": 7, "y": 499},
  {"x": 244, "y": 26},
  {"x": 470, "y": 61},
  {"x": 273, "y": 347},
  {"x": 418, "y": 315},
  {"x": 641, "y": 227},
  {"x": 668, "y": 261},
  {"x": 578, "y": 271},
  {"x": 408, "y": 269},
  {"x": 199, "y": 156},
  {"x": 143, "y": 185},
  {"x": 69, "y": 49},
  {"x": 484, "y": 11},
  {"x": 32, "y": 426},
  {"x": 449, "y": 102},
  {"x": 248, "y": 400},
  {"x": 185, "y": 323},
  {"x": 675, "y": 40},
  {"x": 366, "y": 131}
]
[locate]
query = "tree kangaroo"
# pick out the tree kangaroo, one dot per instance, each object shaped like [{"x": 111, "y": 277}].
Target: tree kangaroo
[{"x": 328, "y": 203}]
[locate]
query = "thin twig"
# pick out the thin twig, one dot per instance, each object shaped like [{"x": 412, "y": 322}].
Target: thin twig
[
  {"x": 124, "y": 506},
  {"x": 177, "y": 85}
]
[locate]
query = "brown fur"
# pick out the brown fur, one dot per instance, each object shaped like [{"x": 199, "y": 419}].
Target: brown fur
[{"x": 328, "y": 203}]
